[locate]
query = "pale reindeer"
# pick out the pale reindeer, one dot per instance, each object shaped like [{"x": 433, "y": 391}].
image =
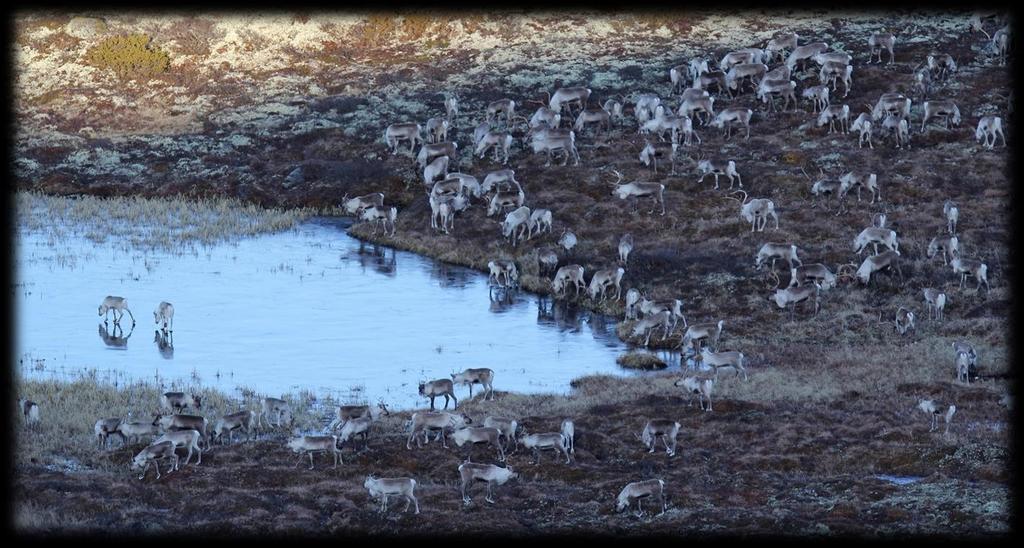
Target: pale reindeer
[
  {"x": 863, "y": 125},
  {"x": 488, "y": 473},
  {"x": 874, "y": 235},
  {"x": 429, "y": 151},
  {"x": 567, "y": 240},
  {"x": 989, "y": 126},
  {"x": 742, "y": 72},
  {"x": 540, "y": 220},
  {"x": 625, "y": 247},
  {"x": 118, "y": 305},
  {"x": 970, "y": 267},
  {"x": 792, "y": 296},
  {"x": 638, "y": 490},
  {"x": 637, "y": 190},
  {"x": 451, "y": 107},
  {"x": 443, "y": 422},
  {"x": 152, "y": 454},
  {"x": 767, "y": 89},
  {"x": 551, "y": 143},
  {"x": 503, "y": 273},
  {"x": 775, "y": 251},
  {"x": 381, "y": 218},
  {"x": 507, "y": 428},
  {"x": 949, "y": 245},
  {"x": 666, "y": 429},
  {"x": 567, "y": 97},
  {"x": 933, "y": 410},
  {"x": 482, "y": 376},
  {"x": 732, "y": 115},
  {"x": 815, "y": 273},
  {"x": 170, "y": 423},
  {"x": 506, "y": 106},
  {"x": 243, "y": 420},
  {"x": 718, "y": 167},
  {"x": 851, "y": 180},
  {"x": 395, "y": 133},
  {"x": 756, "y": 211},
  {"x": 474, "y": 435},
  {"x": 500, "y": 141},
  {"x": 382, "y": 488},
  {"x": 345, "y": 413},
  {"x": 834, "y": 113},
  {"x": 439, "y": 387},
  {"x": 952, "y": 214},
  {"x": 701, "y": 387},
  {"x": 947, "y": 110},
  {"x": 603, "y": 279},
  {"x": 904, "y": 321},
  {"x": 548, "y": 440},
  {"x": 516, "y": 224},
  {"x": 779, "y": 43},
  {"x": 438, "y": 167},
  {"x": 547, "y": 261},
  {"x": 188, "y": 439},
  {"x": 646, "y": 326},
  {"x": 568, "y": 274},
  {"x": 900, "y": 129},
  {"x": 818, "y": 96},
  {"x": 891, "y": 103},
  {"x": 801, "y": 54},
  {"x": 704, "y": 332},
  {"x": 437, "y": 130},
  {"x": 273, "y": 407},
  {"x": 569, "y": 433},
  {"x": 935, "y": 300},
  {"x": 164, "y": 313},
  {"x": 359, "y": 203},
  {"x": 879, "y": 41},
  {"x": 718, "y": 360},
  {"x": 941, "y": 65},
  {"x": 176, "y": 402}
]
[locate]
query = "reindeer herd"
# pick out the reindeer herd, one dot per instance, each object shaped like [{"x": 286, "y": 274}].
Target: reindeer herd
[{"x": 449, "y": 193}]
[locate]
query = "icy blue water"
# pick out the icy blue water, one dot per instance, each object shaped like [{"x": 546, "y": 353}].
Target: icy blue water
[{"x": 309, "y": 308}]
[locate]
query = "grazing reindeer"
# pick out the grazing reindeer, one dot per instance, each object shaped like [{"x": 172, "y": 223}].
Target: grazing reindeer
[
  {"x": 965, "y": 267},
  {"x": 768, "y": 88},
  {"x": 778, "y": 45},
  {"x": 882, "y": 41},
  {"x": 731, "y": 115},
  {"x": 900, "y": 129},
  {"x": 488, "y": 473},
  {"x": 516, "y": 224},
  {"x": 438, "y": 167},
  {"x": 736, "y": 58},
  {"x": 429, "y": 151},
  {"x": 990, "y": 126},
  {"x": 875, "y": 236},
  {"x": 947, "y": 110},
  {"x": 666, "y": 429},
  {"x": 638, "y": 490},
  {"x": 603, "y": 279},
  {"x": 382, "y": 488},
  {"x": 424, "y": 421},
  {"x": 833, "y": 71},
  {"x": 568, "y": 96},
  {"x": 801, "y": 54},
  {"x": 359, "y": 426},
  {"x": 736, "y": 76},
  {"x": 482, "y": 376},
  {"x": 963, "y": 367},
  {"x": 164, "y": 312},
  {"x": 935, "y": 300},
  {"x": 437, "y": 130},
  {"x": 572, "y": 273},
  {"x": 402, "y": 132},
  {"x": 904, "y": 321},
  {"x": 507, "y": 429},
  {"x": 273, "y": 406},
  {"x": 863, "y": 125},
  {"x": 499, "y": 141},
  {"x": 29, "y": 411},
  {"x": 624, "y": 191},
  {"x": 952, "y": 214},
  {"x": 632, "y": 303},
  {"x": 718, "y": 360},
  {"x": 857, "y": 180},
  {"x": 509, "y": 198},
  {"x": 796, "y": 295},
  {"x": 713, "y": 78},
  {"x": 818, "y": 96},
  {"x": 176, "y": 402},
  {"x": 834, "y": 113},
  {"x": 503, "y": 273},
  {"x": 1000, "y": 43},
  {"x": 479, "y": 434},
  {"x": 614, "y": 108},
  {"x": 757, "y": 211},
  {"x": 625, "y": 247},
  {"x": 569, "y": 433},
  {"x": 923, "y": 82},
  {"x": 136, "y": 429},
  {"x": 816, "y": 273},
  {"x": 703, "y": 332},
  {"x": 775, "y": 251},
  {"x": 451, "y": 107},
  {"x": 891, "y": 103},
  {"x": 104, "y": 428},
  {"x": 949, "y": 245},
  {"x": 507, "y": 106},
  {"x": 941, "y": 65},
  {"x": 594, "y": 116},
  {"x": 549, "y": 440},
  {"x": 886, "y": 260},
  {"x": 540, "y": 220},
  {"x": 359, "y": 203},
  {"x": 550, "y": 142},
  {"x": 547, "y": 261},
  {"x": 243, "y": 420},
  {"x": 545, "y": 115},
  {"x": 500, "y": 177},
  {"x": 440, "y": 387},
  {"x": 933, "y": 410},
  {"x": 117, "y": 304},
  {"x": 151, "y": 454},
  {"x": 188, "y": 439},
  {"x": 674, "y": 307},
  {"x": 646, "y": 327},
  {"x": 345, "y": 413},
  {"x": 694, "y": 105},
  {"x": 700, "y": 387},
  {"x": 381, "y": 218},
  {"x": 650, "y": 154},
  {"x": 716, "y": 168},
  {"x": 567, "y": 240},
  {"x": 966, "y": 348}
]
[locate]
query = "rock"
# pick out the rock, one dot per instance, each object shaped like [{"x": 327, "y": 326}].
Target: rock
[
  {"x": 294, "y": 178},
  {"x": 85, "y": 27}
]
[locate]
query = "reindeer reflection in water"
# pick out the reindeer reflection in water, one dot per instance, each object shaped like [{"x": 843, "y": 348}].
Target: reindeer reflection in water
[
  {"x": 164, "y": 343},
  {"x": 377, "y": 256},
  {"x": 113, "y": 336},
  {"x": 563, "y": 315},
  {"x": 449, "y": 276}
]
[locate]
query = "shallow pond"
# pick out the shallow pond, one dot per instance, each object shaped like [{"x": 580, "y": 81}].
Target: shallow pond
[{"x": 309, "y": 308}]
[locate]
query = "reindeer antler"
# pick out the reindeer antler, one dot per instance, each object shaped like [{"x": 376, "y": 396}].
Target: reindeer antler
[
  {"x": 778, "y": 282},
  {"x": 744, "y": 201}
]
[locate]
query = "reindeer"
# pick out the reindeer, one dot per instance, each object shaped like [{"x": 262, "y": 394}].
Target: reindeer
[
  {"x": 502, "y": 269},
  {"x": 451, "y": 107},
  {"x": 603, "y": 279},
  {"x": 778, "y": 45},
  {"x": 442, "y": 210},
  {"x": 402, "y": 132},
  {"x": 943, "y": 64},
  {"x": 989, "y": 126},
  {"x": 863, "y": 125},
  {"x": 923, "y": 82},
  {"x": 697, "y": 67},
  {"x": 497, "y": 140},
  {"x": 345, "y": 413},
  {"x": 422, "y": 421},
  {"x": 701, "y": 332},
  {"x": 692, "y": 106},
  {"x": 437, "y": 130},
  {"x": 429, "y": 151},
  {"x": 656, "y": 191},
  {"x": 879, "y": 41},
  {"x": 965, "y": 267},
  {"x": 614, "y": 108},
  {"x": 801, "y": 54},
  {"x": 183, "y": 422},
  {"x": 176, "y": 402},
  {"x": 666, "y": 429},
  {"x": 548, "y": 440},
  {"x": 857, "y": 180},
  {"x": 507, "y": 106},
  {"x": 550, "y": 142},
  {"x": 796, "y": 295},
  {"x": 243, "y": 420},
  {"x": 785, "y": 87},
  {"x": 935, "y": 301},
  {"x": 650, "y": 153},
  {"x": 875, "y": 236},
  {"x": 900, "y": 129},
  {"x": 359, "y": 203},
  {"x": 727, "y": 117},
  {"x": 506, "y": 428},
  {"x": 775, "y": 251},
  {"x": 273, "y": 406},
  {"x": 104, "y": 428},
  {"x": 479, "y": 434},
  {"x": 757, "y": 211},
  {"x": 735, "y": 58},
  {"x": 701, "y": 387},
  {"x": 674, "y": 307},
  {"x": 966, "y": 348},
  {"x": 152, "y": 454},
  {"x": 516, "y": 224},
  {"x": 503, "y": 199},
  {"x": 952, "y": 214},
  {"x": 547, "y": 261},
  {"x": 540, "y": 220},
  {"x": 499, "y": 177},
  {"x": 718, "y": 167},
  {"x": 1001, "y": 42},
  {"x": 943, "y": 109},
  {"x": 438, "y": 167},
  {"x": 646, "y": 327},
  {"x": 569, "y": 433},
  {"x": 818, "y": 96},
  {"x": 440, "y": 387},
  {"x": 632, "y": 303},
  {"x": 136, "y": 429},
  {"x": 638, "y": 490},
  {"x": 963, "y": 367},
  {"x": 738, "y": 73},
  {"x": 886, "y": 260},
  {"x": 625, "y": 247},
  {"x": 567, "y": 240},
  {"x": 482, "y": 376},
  {"x": 933, "y": 410},
  {"x": 573, "y": 274},
  {"x": 816, "y": 273},
  {"x": 594, "y": 116},
  {"x": 118, "y": 305},
  {"x": 949, "y": 245},
  {"x": 645, "y": 103},
  {"x": 488, "y": 473},
  {"x": 568, "y": 96},
  {"x": 381, "y": 218},
  {"x": 164, "y": 312},
  {"x": 833, "y": 113},
  {"x": 382, "y": 488},
  {"x": 188, "y": 439},
  {"x": 904, "y": 321},
  {"x": 891, "y": 103}
]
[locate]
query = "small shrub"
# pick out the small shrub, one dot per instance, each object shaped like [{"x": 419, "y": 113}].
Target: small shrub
[{"x": 129, "y": 56}]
